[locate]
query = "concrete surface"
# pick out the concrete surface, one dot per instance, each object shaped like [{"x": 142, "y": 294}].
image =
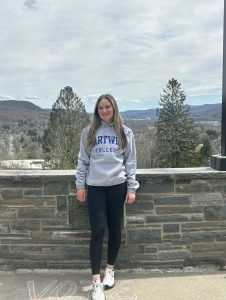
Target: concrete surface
[{"x": 189, "y": 284}]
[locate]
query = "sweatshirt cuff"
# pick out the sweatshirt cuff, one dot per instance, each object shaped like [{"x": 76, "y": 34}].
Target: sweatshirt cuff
[
  {"x": 79, "y": 186},
  {"x": 131, "y": 190}
]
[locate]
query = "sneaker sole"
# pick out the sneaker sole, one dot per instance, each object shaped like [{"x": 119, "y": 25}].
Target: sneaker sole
[
  {"x": 91, "y": 298},
  {"x": 108, "y": 287}
]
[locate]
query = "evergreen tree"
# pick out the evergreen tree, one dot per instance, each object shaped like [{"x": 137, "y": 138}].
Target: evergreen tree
[
  {"x": 205, "y": 151},
  {"x": 176, "y": 136},
  {"x": 61, "y": 139}
]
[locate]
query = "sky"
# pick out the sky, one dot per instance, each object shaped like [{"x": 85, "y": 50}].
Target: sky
[{"x": 129, "y": 48}]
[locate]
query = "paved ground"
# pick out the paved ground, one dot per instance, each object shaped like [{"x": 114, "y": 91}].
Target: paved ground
[{"x": 189, "y": 284}]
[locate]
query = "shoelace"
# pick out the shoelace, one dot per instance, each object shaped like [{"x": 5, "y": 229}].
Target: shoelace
[
  {"x": 97, "y": 288},
  {"x": 109, "y": 273}
]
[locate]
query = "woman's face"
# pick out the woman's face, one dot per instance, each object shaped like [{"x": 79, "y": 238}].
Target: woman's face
[{"x": 105, "y": 110}]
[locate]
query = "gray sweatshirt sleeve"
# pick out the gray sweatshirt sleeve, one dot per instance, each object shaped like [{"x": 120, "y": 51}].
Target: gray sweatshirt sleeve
[
  {"x": 130, "y": 162},
  {"x": 83, "y": 161}
]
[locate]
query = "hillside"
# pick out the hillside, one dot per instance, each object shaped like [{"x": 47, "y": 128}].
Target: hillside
[
  {"x": 205, "y": 112},
  {"x": 13, "y": 110},
  {"x": 139, "y": 114}
]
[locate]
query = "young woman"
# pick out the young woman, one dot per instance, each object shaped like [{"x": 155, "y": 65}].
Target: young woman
[{"x": 107, "y": 165}]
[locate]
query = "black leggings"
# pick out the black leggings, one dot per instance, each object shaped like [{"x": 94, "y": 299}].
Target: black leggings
[{"x": 105, "y": 204}]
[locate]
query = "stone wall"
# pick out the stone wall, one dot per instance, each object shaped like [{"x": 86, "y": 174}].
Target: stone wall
[{"x": 179, "y": 219}]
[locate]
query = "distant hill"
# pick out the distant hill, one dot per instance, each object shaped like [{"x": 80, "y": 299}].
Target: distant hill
[
  {"x": 205, "y": 112},
  {"x": 139, "y": 114},
  {"x": 13, "y": 110}
]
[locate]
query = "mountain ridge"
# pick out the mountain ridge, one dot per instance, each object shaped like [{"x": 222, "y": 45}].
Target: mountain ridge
[
  {"x": 13, "y": 110},
  {"x": 203, "y": 112}
]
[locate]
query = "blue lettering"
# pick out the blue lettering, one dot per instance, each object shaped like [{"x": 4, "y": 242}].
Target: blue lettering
[
  {"x": 106, "y": 138},
  {"x": 100, "y": 150},
  {"x": 100, "y": 140},
  {"x": 111, "y": 139}
]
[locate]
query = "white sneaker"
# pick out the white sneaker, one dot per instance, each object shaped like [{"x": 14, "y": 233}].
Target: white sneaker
[
  {"x": 97, "y": 291},
  {"x": 109, "y": 278}
]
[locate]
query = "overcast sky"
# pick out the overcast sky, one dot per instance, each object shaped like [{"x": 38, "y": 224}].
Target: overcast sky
[{"x": 129, "y": 48}]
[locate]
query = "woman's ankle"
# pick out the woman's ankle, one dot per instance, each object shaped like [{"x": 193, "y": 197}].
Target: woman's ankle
[
  {"x": 96, "y": 277},
  {"x": 109, "y": 266}
]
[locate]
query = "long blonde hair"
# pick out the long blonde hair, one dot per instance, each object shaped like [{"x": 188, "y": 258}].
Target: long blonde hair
[{"x": 96, "y": 122}]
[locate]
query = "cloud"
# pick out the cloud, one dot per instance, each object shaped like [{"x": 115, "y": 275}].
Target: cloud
[
  {"x": 31, "y": 97},
  {"x": 127, "y": 48},
  {"x": 7, "y": 97},
  {"x": 30, "y": 4},
  {"x": 135, "y": 100},
  {"x": 90, "y": 98}
]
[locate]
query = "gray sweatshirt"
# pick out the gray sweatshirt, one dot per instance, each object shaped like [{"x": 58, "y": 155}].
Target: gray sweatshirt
[{"x": 106, "y": 164}]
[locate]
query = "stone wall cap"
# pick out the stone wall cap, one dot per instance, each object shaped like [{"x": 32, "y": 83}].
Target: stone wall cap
[
  {"x": 197, "y": 170},
  {"x": 4, "y": 174}
]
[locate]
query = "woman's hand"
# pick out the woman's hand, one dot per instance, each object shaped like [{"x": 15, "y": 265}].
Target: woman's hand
[
  {"x": 130, "y": 197},
  {"x": 81, "y": 195}
]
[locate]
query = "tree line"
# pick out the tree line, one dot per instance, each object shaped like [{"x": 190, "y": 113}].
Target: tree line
[{"x": 174, "y": 141}]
